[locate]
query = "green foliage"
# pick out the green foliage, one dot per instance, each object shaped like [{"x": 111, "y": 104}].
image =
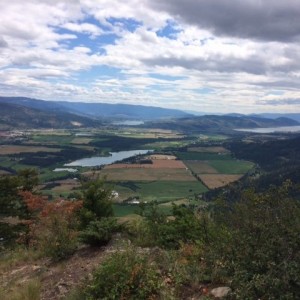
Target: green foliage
[
  {"x": 183, "y": 227},
  {"x": 57, "y": 236},
  {"x": 99, "y": 232},
  {"x": 257, "y": 247},
  {"x": 97, "y": 201},
  {"x": 12, "y": 204},
  {"x": 125, "y": 275},
  {"x": 97, "y": 223},
  {"x": 28, "y": 179}
]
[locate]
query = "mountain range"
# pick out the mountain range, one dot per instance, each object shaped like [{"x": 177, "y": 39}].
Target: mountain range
[
  {"x": 98, "y": 110},
  {"x": 21, "y": 112}
]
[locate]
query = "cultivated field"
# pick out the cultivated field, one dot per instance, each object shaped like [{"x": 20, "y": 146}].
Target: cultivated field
[
  {"x": 81, "y": 141},
  {"x": 156, "y": 164},
  {"x": 231, "y": 166},
  {"x": 161, "y": 191},
  {"x": 144, "y": 174},
  {"x": 209, "y": 149},
  {"x": 16, "y": 149},
  {"x": 200, "y": 167},
  {"x": 213, "y": 181},
  {"x": 202, "y": 156}
]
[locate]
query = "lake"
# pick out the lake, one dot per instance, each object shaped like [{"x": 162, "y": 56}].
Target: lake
[
  {"x": 271, "y": 129},
  {"x": 105, "y": 160},
  {"x": 71, "y": 170},
  {"x": 129, "y": 122}
]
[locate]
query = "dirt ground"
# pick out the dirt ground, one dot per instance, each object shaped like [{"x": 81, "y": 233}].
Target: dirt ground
[{"x": 57, "y": 279}]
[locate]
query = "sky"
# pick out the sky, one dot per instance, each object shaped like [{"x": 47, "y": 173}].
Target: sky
[{"x": 213, "y": 56}]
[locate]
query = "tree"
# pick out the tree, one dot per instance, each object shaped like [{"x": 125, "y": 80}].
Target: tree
[
  {"x": 96, "y": 215},
  {"x": 97, "y": 201}
]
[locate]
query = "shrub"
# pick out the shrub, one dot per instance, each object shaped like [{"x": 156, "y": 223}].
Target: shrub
[
  {"x": 257, "y": 248},
  {"x": 98, "y": 233},
  {"x": 125, "y": 275},
  {"x": 57, "y": 236}
]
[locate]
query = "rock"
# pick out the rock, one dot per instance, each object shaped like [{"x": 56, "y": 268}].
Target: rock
[
  {"x": 62, "y": 289},
  {"x": 220, "y": 292}
]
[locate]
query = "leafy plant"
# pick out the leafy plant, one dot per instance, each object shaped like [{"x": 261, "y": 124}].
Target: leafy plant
[
  {"x": 99, "y": 232},
  {"x": 125, "y": 275}
]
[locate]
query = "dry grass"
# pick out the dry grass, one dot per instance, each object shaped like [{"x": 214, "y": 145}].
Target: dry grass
[
  {"x": 16, "y": 149},
  {"x": 81, "y": 141},
  {"x": 209, "y": 149},
  {"x": 144, "y": 174},
  {"x": 66, "y": 185},
  {"x": 213, "y": 181},
  {"x": 200, "y": 167}
]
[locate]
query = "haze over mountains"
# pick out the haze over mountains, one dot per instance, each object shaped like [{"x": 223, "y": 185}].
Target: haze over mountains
[
  {"x": 21, "y": 112},
  {"x": 98, "y": 110}
]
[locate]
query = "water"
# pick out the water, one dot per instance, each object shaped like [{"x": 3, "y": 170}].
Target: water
[
  {"x": 105, "y": 160},
  {"x": 271, "y": 129},
  {"x": 71, "y": 170},
  {"x": 129, "y": 123}
]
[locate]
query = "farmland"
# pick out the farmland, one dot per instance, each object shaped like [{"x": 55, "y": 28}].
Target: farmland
[{"x": 180, "y": 169}]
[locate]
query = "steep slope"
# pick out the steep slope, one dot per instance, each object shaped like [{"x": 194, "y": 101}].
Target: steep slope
[
  {"x": 98, "y": 110},
  {"x": 17, "y": 116}
]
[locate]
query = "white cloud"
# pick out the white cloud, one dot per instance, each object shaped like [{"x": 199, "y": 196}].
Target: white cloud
[{"x": 43, "y": 55}]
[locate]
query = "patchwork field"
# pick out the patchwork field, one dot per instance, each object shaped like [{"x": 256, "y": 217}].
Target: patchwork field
[
  {"x": 81, "y": 141},
  {"x": 16, "y": 149},
  {"x": 209, "y": 149},
  {"x": 161, "y": 191},
  {"x": 156, "y": 164},
  {"x": 200, "y": 167},
  {"x": 202, "y": 156},
  {"x": 213, "y": 181},
  {"x": 231, "y": 166},
  {"x": 145, "y": 174}
]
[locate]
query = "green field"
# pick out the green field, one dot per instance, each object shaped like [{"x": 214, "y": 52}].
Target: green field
[
  {"x": 161, "y": 191},
  {"x": 231, "y": 166},
  {"x": 202, "y": 156}
]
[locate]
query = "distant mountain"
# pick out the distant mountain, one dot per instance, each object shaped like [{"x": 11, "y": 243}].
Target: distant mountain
[
  {"x": 98, "y": 110},
  {"x": 14, "y": 116},
  {"x": 293, "y": 116},
  {"x": 213, "y": 123}
]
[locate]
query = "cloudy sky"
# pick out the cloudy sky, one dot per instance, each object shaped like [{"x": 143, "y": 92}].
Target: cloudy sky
[{"x": 203, "y": 55}]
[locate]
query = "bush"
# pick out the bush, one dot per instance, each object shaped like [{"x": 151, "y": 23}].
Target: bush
[
  {"x": 57, "y": 236},
  {"x": 184, "y": 227},
  {"x": 125, "y": 275},
  {"x": 98, "y": 233},
  {"x": 257, "y": 247}
]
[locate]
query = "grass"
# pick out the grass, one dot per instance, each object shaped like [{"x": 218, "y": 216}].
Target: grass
[
  {"x": 53, "y": 139},
  {"x": 231, "y": 166},
  {"x": 202, "y": 156},
  {"x": 30, "y": 290},
  {"x": 161, "y": 191},
  {"x": 122, "y": 210},
  {"x": 145, "y": 174},
  {"x": 18, "y": 255},
  {"x": 166, "y": 144},
  {"x": 200, "y": 167}
]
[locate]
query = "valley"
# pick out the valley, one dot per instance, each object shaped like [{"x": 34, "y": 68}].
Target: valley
[{"x": 170, "y": 166}]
